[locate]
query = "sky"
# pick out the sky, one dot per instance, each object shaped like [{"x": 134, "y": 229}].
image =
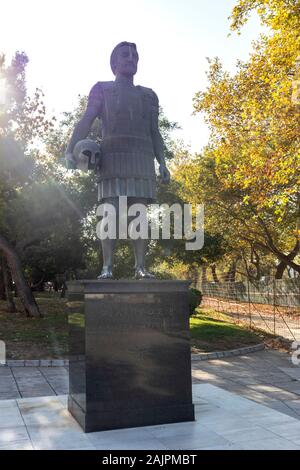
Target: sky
[{"x": 69, "y": 44}]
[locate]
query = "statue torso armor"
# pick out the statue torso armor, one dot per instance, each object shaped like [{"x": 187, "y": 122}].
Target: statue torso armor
[{"x": 127, "y": 166}]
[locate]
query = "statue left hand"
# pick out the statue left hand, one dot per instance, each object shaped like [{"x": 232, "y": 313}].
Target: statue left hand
[{"x": 164, "y": 173}]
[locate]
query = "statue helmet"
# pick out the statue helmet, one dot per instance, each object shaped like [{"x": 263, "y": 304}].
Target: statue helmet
[{"x": 86, "y": 154}]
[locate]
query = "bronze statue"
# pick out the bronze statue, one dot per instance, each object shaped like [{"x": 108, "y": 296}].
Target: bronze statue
[{"x": 130, "y": 142}]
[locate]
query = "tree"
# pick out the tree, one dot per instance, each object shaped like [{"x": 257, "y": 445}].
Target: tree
[
  {"x": 249, "y": 173},
  {"x": 22, "y": 120}
]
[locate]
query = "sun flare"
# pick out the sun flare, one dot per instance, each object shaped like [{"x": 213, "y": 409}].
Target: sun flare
[{"x": 2, "y": 91}]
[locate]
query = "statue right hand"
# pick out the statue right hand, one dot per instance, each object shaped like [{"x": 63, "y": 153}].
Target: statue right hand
[{"x": 70, "y": 162}]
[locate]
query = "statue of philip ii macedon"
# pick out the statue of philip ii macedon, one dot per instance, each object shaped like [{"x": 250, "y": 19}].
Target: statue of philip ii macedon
[{"x": 131, "y": 142}]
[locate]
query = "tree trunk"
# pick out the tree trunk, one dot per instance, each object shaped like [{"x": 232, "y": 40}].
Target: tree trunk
[
  {"x": 255, "y": 260},
  {"x": 63, "y": 290},
  {"x": 214, "y": 273},
  {"x": 204, "y": 274},
  {"x": 230, "y": 275},
  {"x": 14, "y": 263},
  {"x": 281, "y": 267},
  {"x": 204, "y": 283},
  {"x": 270, "y": 245},
  {"x": 2, "y": 287},
  {"x": 39, "y": 286},
  {"x": 8, "y": 287}
]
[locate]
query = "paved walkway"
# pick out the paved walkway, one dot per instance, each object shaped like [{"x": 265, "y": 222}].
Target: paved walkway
[
  {"x": 266, "y": 377},
  {"x": 23, "y": 382},
  {"x": 223, "y": 421}
]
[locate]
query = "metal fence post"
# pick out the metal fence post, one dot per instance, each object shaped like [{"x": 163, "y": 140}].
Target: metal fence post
[
  {"x": 249, "y": 303},
  {"x": 274, "y": 307}
]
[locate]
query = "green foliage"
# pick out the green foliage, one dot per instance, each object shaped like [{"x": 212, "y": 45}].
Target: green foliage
[
  {"x": 41, "y": 213},
  {"x": 248, "y": 175},
  {"x": 195, "y": 298},
  {"x": 21, "y": 116}
]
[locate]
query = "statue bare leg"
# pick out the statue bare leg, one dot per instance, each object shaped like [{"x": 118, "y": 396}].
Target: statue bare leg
[
  {"x": 108, "y": 248},
  {"x": 140, "y": 246},
  {"x": 140, "y": 249},
  {"x": 109, "y": 244}
]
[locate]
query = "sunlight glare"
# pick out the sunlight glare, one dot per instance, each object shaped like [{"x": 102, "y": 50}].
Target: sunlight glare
[{"x": 2, "y": 91}]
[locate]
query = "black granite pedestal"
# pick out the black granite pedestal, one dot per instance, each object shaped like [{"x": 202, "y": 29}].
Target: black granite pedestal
[{"x": 130, "y": 361}]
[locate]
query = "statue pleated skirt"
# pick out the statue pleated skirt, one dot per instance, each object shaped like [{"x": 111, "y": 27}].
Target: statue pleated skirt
[{"x": 127, "y": 174}]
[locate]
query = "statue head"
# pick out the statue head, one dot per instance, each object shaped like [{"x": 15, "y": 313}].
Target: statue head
[{"x": 124, "y": 59}]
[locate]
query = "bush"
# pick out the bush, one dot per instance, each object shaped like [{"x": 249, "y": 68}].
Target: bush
[{"x": 195, "y": 298}]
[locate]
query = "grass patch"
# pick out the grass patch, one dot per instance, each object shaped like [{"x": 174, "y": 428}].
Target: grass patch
[
  {"x": 34, "y": 338},
  {"x": 211, "y": 331}
]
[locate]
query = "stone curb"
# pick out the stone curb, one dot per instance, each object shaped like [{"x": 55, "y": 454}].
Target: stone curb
[
  {"x": 195, "y": 357},
  {"x": 232, "y": 352},
  {"x": 37, "y": 362}
]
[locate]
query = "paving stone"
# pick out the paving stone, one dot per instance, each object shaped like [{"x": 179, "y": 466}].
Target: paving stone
[
  {"x": 34, "y": 375},
  {"x": 36, "y": 393},
  {"x": 58, "y": 381},
  {"x": 196, "y": 381},
  {"x": 293, "y": 372},
  {"x": 10, "y": 419},
  {"x": 10, "y": 403},
  {"x": 13, "y": 434},
  {"x": 25, "y": 371},
  {"x": 283, "y": 395},
  {"x": 283, "y": 408},
  {"x": 64, "y": 379},
  {"x": 248, "y": 434},
  {"x": 294, "y": 404},
  {"x": 32, "y": 404},
  {"x": 9, "y": 395},
  {"x": 24, "y": 386},
  {"x": 292, "y": 431},
  {"x": 199, "y": 440},
  {"x": 8, "y": 386},
  {"x": 38, "y": 390},
  {"x": 63, "y": 400},
  {"x": 19, "y": 445},
  {"x": 59, "y": 384},
  {"x": 53, "y": 371},
  {"x": 270, "y": 444},
  {"x": 245, "y": 380},
  {"x": 293, "y": 387},
  {"x": 5, "y": 371}
]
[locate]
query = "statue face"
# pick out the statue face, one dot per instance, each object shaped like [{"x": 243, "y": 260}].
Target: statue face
[{"x": 126, "y": 61}]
